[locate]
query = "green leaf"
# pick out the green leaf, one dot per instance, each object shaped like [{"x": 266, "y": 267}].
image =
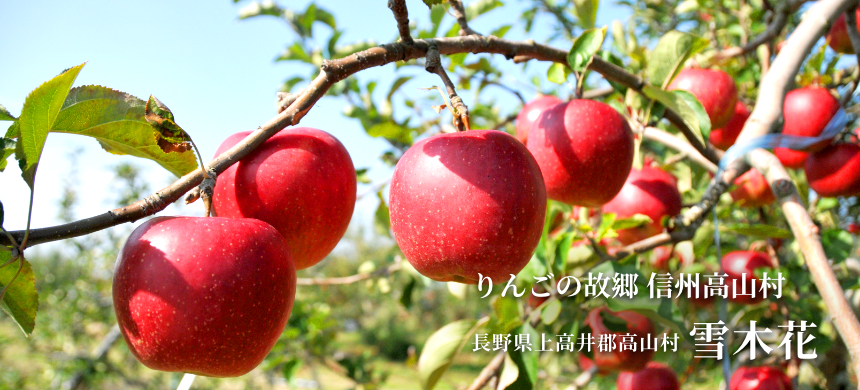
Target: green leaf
[
  {"x": 614, "y": 323},
  {"x": 550, "y": 312},
  {"x": 584, "y": 48},
  {"x": 391, "y": 131},
  {"x": 361, "y": 176},
  {"x": 757, "y": 230},
  {"x": 479, "y": 7},
  {"x": 526, "y": 361},
  {"x": 557, "y": 73},
  {"x": 510, "y": 373},
  {"x": 406, "y": 296},
  {"x": 507, "y": 315},
  {"x": 21, "y": 300},
  {"x": 440, "y": 349},
  {"x": 501, "y": 31},
  {"x": 7, "y": 149},
  {"x": 118, "y": 121},
  {"x": 295, "y": 53},
  {"x": 382, "y": 218},
  {"x": 631, "y": 222},
  {"x": 837, "y": 244},
  {"x": 825, "y": 204},
  {"x": 396, "y": 85},
  {"x": 431, "y": 3},
  {"x": 291, "y": 367},
  {"x": 5, "y": 115},
  {"x": 697, "y": 107},
  {"x": 586, "y": 12},
  {"x": 678, "y": 103},
  {"x": 38, "y": 115},
  {"x": 670, "y": 54}
]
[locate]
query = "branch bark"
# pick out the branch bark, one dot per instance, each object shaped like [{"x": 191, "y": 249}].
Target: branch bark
[
  {"x": 401, "y": 15},
  {"x": 332, "y": 72},
  {"x": 459, "y": 13},
  {"x": 765, "y": 117},
  {"x": 490, "y": 370}
]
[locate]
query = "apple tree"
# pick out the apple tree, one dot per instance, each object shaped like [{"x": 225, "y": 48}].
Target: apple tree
[{"x": 696, "y": 138}]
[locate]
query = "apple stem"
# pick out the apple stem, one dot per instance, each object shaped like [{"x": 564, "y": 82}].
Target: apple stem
[
  {"x": 207, "y": 186},
  {"x": 433, "y": 64},
  {"x": 186, "y": 382}
]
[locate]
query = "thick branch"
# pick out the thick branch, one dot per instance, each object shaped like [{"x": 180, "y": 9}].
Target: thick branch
[
  {"x": 766, "y": 116},
  {"x": 780, "y": 19},
  {"x": 805, "y": 232},
  {"x": 401, "y": 15},
  {"x": 459, "y": 13},
  {"x": 332, "y": 72}
]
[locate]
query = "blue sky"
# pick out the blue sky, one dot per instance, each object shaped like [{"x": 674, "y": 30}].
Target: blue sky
[{"x": 215, "y": 72}]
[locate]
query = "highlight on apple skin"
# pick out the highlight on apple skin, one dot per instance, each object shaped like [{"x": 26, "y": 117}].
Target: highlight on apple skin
[
  {"x": 208, "y": 296},
  {"x": 301, "y": 181},
  {"x": 467, "y": 203}
]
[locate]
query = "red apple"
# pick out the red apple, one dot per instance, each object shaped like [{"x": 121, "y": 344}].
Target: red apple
[
  {"x": 649, "y": 191},
  {"x": 530, "y": 112},
  {"x": 713, "y": 88},
  {"x": 301, "y": 181},
  {"x": 760, "y": 378},
  {"x": 617, "y": 360},
  {"x": 723, "y": 138},
  {"x": 853, "y": 228},
  {"x": 752, "y": 190},
  {"x": 837, "y": 37},
  {"x": 655, "y": 376},
  {"x": 806, "y": 112},
  {"x": 739, "y": 263},
  {"x": 467, "y": 203},
  {"x": 585, "y": 151},
  {"x": 835, "y": 171},
  {"x": 208, "y": 296}
]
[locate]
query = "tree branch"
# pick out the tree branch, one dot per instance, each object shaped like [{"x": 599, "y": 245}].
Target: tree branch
[
  {"x": 433, "y": 64},
  {"x": 780, "y": 19},
  {"x": 349, "y": 279},
  {"x": 401, "y": 15},
  {"x": 765, "y": 117},
  {"x": 459, "y": 13},
  {"x": 332, "y": 72},
  {"x": 679, "y": 145},
  {"x": 490, "y": 370},
  {"x": 99, "y": 354}
]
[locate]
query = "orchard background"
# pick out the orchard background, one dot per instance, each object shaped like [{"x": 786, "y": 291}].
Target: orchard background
[{"x": 367, "y": 330}]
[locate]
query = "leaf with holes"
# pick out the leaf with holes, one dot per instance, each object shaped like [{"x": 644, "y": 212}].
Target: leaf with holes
[
  {"x": 21, "y": 301},
  {"x": 117, "y": 120}
]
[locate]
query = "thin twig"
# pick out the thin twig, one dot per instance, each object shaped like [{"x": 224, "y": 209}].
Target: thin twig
[
  {"x": 780, "y": 19},
  {"x": 349, "y": 279},
  {"x": 583, "y": 378},
  {"x": 401, "y": 15},
  {"x": 433, "y": 64},
  {"x": 98, "y": 355},
  {"x": 459, "y": 13},
  {"x": 491, "y": 370}
]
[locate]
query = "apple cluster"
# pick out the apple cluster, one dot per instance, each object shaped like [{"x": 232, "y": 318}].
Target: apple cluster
[{"x": 210, "y": 296}]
